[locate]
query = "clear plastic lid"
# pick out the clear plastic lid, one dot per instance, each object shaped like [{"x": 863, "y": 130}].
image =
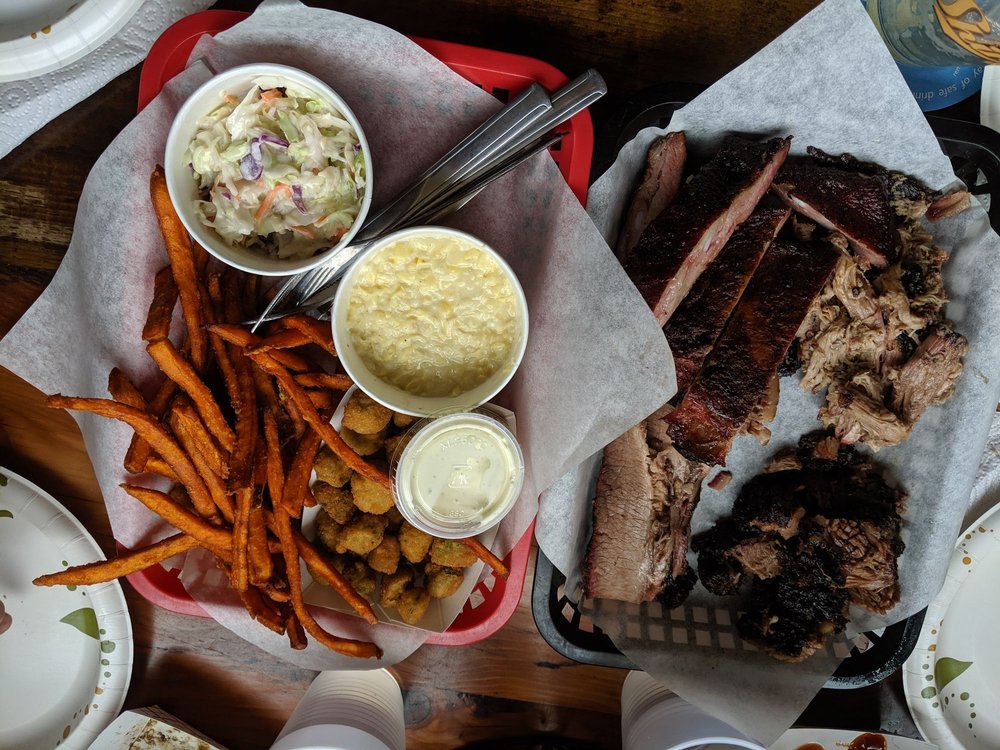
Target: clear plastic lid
[{"x": 457, "y": 475}]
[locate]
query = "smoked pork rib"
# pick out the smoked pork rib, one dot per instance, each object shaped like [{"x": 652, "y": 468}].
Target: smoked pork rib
[
  {"x": 746, "y": 356},
  {"x": 697, "y": 323},
  {"x": 854, "y": 204},
  {"x": 657, "y": 188},
  {"x": 678, "y": 245}
]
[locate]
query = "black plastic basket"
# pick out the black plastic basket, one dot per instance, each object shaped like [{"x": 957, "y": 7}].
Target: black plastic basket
[{"x": 975, "y": 155}]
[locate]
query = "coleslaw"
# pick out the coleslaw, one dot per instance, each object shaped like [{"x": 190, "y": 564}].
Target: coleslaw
[{"x": 281, "y": 170}]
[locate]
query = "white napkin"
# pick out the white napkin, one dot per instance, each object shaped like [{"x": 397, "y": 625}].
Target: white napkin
[{"x": 25, "y": 106}]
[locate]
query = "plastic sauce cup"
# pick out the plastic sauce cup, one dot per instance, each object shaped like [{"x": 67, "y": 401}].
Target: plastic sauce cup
[{"x": 457, "y": 475}]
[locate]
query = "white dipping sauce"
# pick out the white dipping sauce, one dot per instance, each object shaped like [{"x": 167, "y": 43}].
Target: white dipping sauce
[
  {"x": 433, "y": 315},
  {"x": 461, "y": 473}
]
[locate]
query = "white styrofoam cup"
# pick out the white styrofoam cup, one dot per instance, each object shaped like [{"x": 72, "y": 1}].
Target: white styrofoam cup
[
  {"x": 349, "y": 711},
  {"x": 653, "y": 718}
]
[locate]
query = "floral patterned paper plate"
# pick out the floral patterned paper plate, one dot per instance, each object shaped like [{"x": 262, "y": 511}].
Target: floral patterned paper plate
[
  {"x": 951, "y": 678},
  {"x": 65, "y": 653}
]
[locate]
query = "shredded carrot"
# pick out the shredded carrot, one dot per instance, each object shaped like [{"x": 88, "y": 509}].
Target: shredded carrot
[
  {"x": 269, "y": 95},
  {"x": 305, "y": 232},
  {"x": 278, "y": 191},
  {"x": 230, "y": 99}
]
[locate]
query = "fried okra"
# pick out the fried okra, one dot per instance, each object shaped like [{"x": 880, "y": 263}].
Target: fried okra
[
  {"x": 394, "y": 445},
  {"x": 402, "y": 421},
  {"x": 364, "y": 415},
  {"x": 413, "y": 604},
  {"x": 364, "y": 445},
  {"x": 335, "y": 501},
  {"x": 363, "y": 534},
  {"x": 360, "y": 576},
  {"x": 330, "y": 468},
  {"x": 444, "y": 582},
  {"x": 327, "y": 530},
  {"x": 451, "y": 554},
  {"x": 370, "y": 496},
  {"x": 395, "y": 518},
  {"x": 414, "y": 543},
  {"x": 385, "y": 557},
  {"x": 394, "y": 585}
]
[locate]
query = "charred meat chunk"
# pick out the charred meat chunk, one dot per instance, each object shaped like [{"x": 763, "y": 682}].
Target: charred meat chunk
[{"x": 813, "y": 536}]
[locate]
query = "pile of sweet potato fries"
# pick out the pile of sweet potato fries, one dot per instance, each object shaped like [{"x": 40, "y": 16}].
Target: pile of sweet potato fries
[{"x": 235, "y": 423}]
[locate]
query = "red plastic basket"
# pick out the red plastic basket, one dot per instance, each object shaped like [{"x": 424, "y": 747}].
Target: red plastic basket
[{"x": 494, "y": 600}]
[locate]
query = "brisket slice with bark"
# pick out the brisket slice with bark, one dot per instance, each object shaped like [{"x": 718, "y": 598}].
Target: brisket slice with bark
[
  {"x": 657, "y": 188},
  {"x": 697, "y": 323},
  {"x": 678, "y": 245},
  {"x": 738, "y": 371},
  {"x": 854, "y": 204},
  {"x": 646, "y": 493}
]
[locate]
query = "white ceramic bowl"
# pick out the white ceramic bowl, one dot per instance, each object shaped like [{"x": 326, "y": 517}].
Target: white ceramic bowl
[
  {"x": 183, "y": 188},
  {"x": 400, "y": 400}
]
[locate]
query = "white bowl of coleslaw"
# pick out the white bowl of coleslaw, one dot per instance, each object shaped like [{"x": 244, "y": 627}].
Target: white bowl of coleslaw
[{"x": 268, "y": 169}]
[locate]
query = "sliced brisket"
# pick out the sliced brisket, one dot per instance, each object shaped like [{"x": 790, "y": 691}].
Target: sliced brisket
[
  {"x": 737, "y": 373},
  {"x": 657, "y": 188},
  {"x": 680, "y": 243},
  {"x": 646, "y": 494},
  {"x": 700, "y": 318}
]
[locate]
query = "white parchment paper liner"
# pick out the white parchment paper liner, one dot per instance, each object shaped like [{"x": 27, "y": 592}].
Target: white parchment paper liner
[
  {"x": 830, "y": 82},
  {"x": 595, "y": 364}
]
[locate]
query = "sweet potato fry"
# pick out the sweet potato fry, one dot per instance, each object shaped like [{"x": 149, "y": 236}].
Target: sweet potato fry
[
  {"x": 139, "y": 450},
  {"x": 179, "y": 370},
  {"x": 312, "y": 416},
  {"x": 321, "y": 399},
  {"x": 161, "y": 309},
  {"x": 259, "y": 556},
  {"x": 182, "y": 263},
  {"x": 123, "y": 565},
  {"x": 124, "y": 391},
  {"x": 241, "y": 539},
  {"x": 245, "y": 406},
  {"x": 215, "y": 485},
  {"x": 486, "y": 556},
  {"x": 296, "y": 635},
  {"x": 241, "y": 337},
  {"x": 346, "y": 646},
  {"x": 275, "y": 466},
  {"x": 329, "y": 574},
  {"x": 214, "y": 456},
  {"x": 288, "y": 339},
  {"x": 294, "y": 414},
  {"x": 157, "y": 465},
  {"x": 214, "y": 538},
  {"x": 149, "y": 428},
  {"x": 263, "y": 610},
  {"x": 324, "y": 380},
  {"x": 317, "y": 331},
  {"x": 297, "y": 482}
]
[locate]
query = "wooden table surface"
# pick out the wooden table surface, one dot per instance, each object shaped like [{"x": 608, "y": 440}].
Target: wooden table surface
[{"x": 513, "y": 684}]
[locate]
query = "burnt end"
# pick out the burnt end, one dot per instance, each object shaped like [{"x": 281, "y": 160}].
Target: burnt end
[
  {"x": 812, "y": 537},
  {"x": 677, "y": 588},
  {"x": 907, "y": 345},
  {"x": 912, "y": 278},
  {"x": 792, "y": 362},
  {"x": 792, "y": 616}
]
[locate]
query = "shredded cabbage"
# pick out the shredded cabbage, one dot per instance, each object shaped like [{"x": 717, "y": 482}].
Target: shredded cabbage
[{"x": 280, "y": 171}]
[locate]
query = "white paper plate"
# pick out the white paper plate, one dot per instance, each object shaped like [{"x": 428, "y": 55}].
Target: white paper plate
[
  {"x": 839, "y": 739},
  {"x": 39, "y": 36},
  {"x": 951, "y": 678},
  {"x": 66, "y": 660}
]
